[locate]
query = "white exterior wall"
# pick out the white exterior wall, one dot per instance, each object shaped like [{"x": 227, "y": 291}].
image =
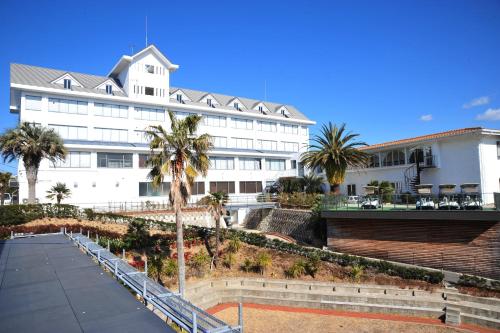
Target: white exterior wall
[
  {"x": 101, "y": 185},
  {"x": 461, "y": 159}
]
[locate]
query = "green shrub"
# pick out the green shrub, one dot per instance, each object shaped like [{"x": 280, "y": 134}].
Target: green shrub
[
  {"x": 234, "y": 245},
  {"x": 247, "y": 265},
  {"x": 199, "y": 263},
  {"x": 263, "y": 261},
  {"x": 312, "y": 264},
  {"x": 297, "y": 269},
  {"x": 472, "y": 281},
  {"x": 137, "y": 235},
  {"x": 20, "y": 214},
  {"x": 170, "y": 267},
  {"x": 356, "y": 273},
  {"x": 229, "y": 260},
  {"x": 89, "y": 213}
]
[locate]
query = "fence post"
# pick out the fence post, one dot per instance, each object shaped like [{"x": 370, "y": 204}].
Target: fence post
[
  {"x": 240, "y": 316},
  {"x": 81, "y": 231},
  {"x": 12, "y": 234},
  {"x": 88, "y": 234},
  {"x": 108, "y": 246},
  {"x": 71, "y": 233},
  {"x": 97, "y": 238},
  {"x": 195, "y": 324},
  {"x": 146, "y": 266},
  {"x": 116, "y": 269},
  {"x": 144, "y": 291},
  {"x": 123, "y": 254}
]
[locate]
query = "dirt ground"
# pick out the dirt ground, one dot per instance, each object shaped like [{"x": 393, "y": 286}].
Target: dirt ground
[{"x": 265, "y": 321}]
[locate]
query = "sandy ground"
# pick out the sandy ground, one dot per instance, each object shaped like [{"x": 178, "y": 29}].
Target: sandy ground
[{"x": 265, "y": 321}]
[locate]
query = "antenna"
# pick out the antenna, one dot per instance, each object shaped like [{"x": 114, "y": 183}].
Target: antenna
[
  {"x": 265, "y": 90},
  {"x": 146, "y": 31}
]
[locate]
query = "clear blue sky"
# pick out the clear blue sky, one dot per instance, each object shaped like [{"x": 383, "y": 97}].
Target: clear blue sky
[{"x": 389, "y": 69}]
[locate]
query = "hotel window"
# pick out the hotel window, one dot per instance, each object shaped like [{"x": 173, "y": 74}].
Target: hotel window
[
  {"x": 351, "y": 189},
  {"x": 109, "y": 89},
  {"x": 236, "y": 106},
  {"x": 114, "y": 160},
  {"x": 110, "y": 134},
  {"x": 149, "y": 114},
  {"x": 241, "y": 123},
  {"x": 182, "y": 115},
  {"x": 74, "y": 159},
  {"x": 250, "y": 163},
  {"x": 226, "y": 187},
  {"x": 179, "y": 98},
  {"x": 267, "y": 145},
  {"x": 143, "y": 158},
  {"x": 140, "y": 137},
  {"x": 67, "y": 84},
  {"x": 251, "y": 187},
  {"x": 70, "y": 132},
  {"x": 221, "y": 163},
  {"x": 266, "y": 126},
  {"x": 275, "y": 164},
  {"x": 149, "y": 69},
  {"x": 290, "y": 146},
  {"x": 289, "y": 129},
  {"x": 219, "y": 141},
  {"x": 393, "y": 157},
  {"x": 242, "y": 143},
  {"x": 33, "y": 103},
  {"x": 209, "y": 101},
  {"x": 303, "y": 130},
  {"x": 374, "y": 161},
  {"x": 498, "y": 149},
  {"x": 261, "y": 110},
  {"x": 214, "y": 121},
  {"x": 67, "y": 106},
  {"x": 149, "y": 91},
  {"x": 293, "y": 164},
  {"x": 198, "y": 188},
  {"x": 146, "y": 189},
  {"x": 110, "y": 110}
]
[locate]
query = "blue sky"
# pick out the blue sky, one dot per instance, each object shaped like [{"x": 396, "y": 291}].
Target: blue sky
[{"x": 389, "y": 69}]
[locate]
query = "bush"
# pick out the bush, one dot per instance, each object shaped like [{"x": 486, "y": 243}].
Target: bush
[
  {"x": 472, "y": 281},
  {"x": 247, "y": 265},
  {"x": 170, "y": 267},
  {"x": 199, "y": 263},
  {"x": 296, "y": 270},
  {"x": 312, "y": 264},
  {"x": 137, "y": 235},
  {"x": 229, "y": 260},
  {"x": 299, "y": 200},
  {"x": 89, "y": 213},
  {"x": 356, "y": 273},
  {"x": 20, "y": 214},
  {"x": 234, "y": 245},
  {"x": 262, "y": 262}
]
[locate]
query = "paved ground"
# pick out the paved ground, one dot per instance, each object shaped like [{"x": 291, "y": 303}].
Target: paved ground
[
  {"x": 259, "y": 318},
  {"x": 48, "y": 285}
]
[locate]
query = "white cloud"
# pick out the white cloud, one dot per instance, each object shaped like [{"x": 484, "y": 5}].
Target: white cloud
[
  {"x": 477, "y": 102},
  {"x": 490, "y": 114},
  {"x": 426, "y": 117}
]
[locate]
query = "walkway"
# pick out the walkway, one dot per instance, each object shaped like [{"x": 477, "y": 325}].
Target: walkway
[{"x": 48, "y": 285}]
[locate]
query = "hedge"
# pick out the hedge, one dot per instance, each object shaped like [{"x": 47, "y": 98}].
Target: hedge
[{"x": 18, "y": 214}]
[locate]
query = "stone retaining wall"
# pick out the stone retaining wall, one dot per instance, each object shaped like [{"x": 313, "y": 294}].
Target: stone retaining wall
[
  {"x": 351, "y": 297},
  {"x": 196, "y": 218},
  {"x": 291, "y": 222}
]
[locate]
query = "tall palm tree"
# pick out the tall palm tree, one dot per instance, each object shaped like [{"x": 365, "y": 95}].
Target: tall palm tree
[
  {"x": 4, "y": 185},
  {"x": 216, "y": 202},
  {"x": 334, "y": 150},
  {"x": 182, "y": 155},
  {"x": 31, "y": 143},
  {"x": 58, "y": 191}
]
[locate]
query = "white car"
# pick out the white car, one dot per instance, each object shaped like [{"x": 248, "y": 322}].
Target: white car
[
  {"x": 353, "y": 199},
  {"x": 7, "y": 199}
]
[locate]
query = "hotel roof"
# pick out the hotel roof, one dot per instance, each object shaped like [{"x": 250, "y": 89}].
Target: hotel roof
[{"x": 428, "y": 137}]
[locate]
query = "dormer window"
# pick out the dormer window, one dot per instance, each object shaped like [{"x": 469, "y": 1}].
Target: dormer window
[
  {"x": 150, "y": 69},
  {"x": 209, "y": 101},
  {"x": 261, "y": 110},
  {"x": 109, "y": 89},
  {"x": 67, "y": 84},
  {"x": 236, "y": 106},
  {"x": 179, "y": 98}
]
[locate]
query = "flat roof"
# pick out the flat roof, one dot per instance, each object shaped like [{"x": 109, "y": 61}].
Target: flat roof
[{"x": 48, "y": 285}]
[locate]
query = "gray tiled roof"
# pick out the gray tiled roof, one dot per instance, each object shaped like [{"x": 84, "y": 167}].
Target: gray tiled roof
[{"x": 42, "y": 77}]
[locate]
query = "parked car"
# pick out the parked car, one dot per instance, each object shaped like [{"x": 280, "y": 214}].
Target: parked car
[
  {"x": 353, "y": 199},
  {"x": 7, "y": 199}
]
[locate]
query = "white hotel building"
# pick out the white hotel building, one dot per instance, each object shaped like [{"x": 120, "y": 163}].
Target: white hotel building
[{"x": 102, "y": 121}]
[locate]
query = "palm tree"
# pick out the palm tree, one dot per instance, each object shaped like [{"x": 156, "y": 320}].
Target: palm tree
[
  {"x": 182, "y": 155},
  {"x": 216, "y": 202},
  {"x": 383, "y": 189},
  {"x": 4, "y": 185},
  {"x": 58, "y": 191},
  {"x": 312, "y": 183},
  {"x": 31, "y": 143},
  {"x": 334, "y": 150}
]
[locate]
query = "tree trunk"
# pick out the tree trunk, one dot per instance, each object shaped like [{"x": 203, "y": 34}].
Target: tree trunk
[
  {"x": 180, "y": 249},
  {"x": 217, "y": 238},
  {"x": 2, "y": 195},
  {"x": 59, "y": 198},
  {"x": 334, "y": 188},
  {"x": 31, "y": 175}
]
